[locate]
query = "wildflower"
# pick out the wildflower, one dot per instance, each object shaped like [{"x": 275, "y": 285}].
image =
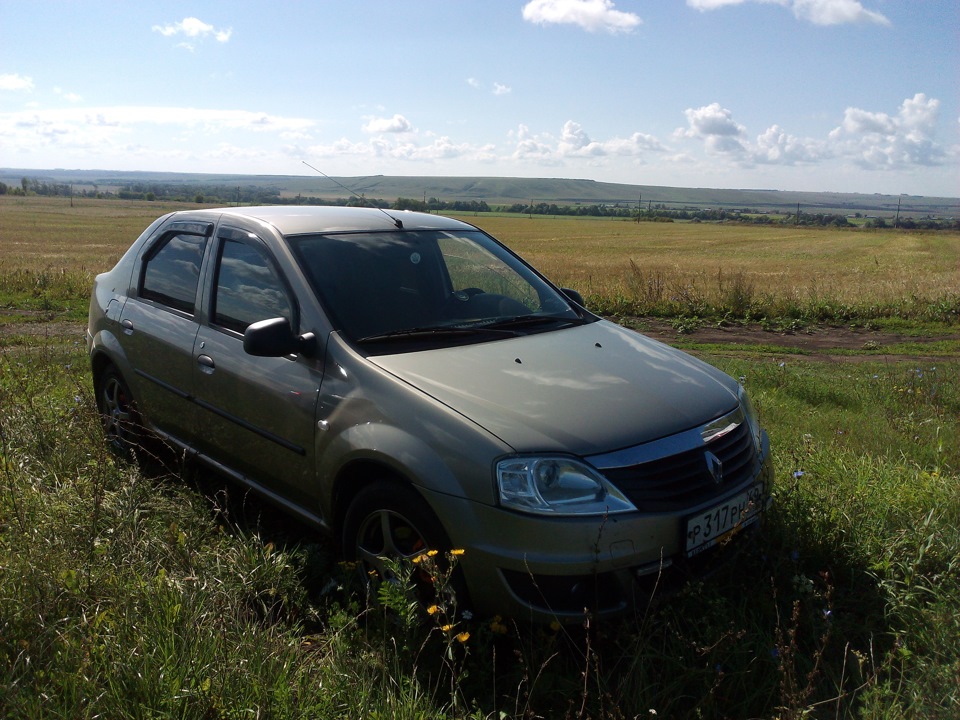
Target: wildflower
[
  {"x": 463, "y": 637},
  {"x": 418, "y": 559},
  {"x": 431, "y": 553},
  {"x": 446, "y": 628},
  {"x": 497, "y": 626},
  {"x": 798, "y": 474},
  {"x": 433, "y": 610},
  {"x": 457, "y": 552}
]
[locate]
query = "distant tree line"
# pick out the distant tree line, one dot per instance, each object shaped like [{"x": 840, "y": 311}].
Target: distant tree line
[
  {"x": 661, "y": 213},
  {"x": 224, "y": 194}
]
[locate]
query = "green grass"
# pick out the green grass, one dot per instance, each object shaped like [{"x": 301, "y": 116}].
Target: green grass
[
  {"x": 129, "y": 592},
  {"x": 134, "y": 592}
]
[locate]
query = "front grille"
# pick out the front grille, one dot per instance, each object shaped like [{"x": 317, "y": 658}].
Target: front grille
[{"x": 683, "y": 479}]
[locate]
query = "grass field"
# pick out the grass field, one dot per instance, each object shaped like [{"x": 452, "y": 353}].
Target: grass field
[
  {"x": 701, "y": 270},
  {"x": 131, "y": 592}
]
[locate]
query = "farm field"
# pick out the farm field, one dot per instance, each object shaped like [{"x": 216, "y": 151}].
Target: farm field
[
  {"x": 129, "y": 590},
  {"x": 684, "y": 270}
]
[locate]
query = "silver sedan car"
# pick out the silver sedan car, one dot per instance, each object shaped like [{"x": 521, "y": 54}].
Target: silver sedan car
[{"x": 405, "y": 382}]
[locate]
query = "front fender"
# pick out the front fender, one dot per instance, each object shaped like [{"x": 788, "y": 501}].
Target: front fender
[{"x": 371, "y": 422}]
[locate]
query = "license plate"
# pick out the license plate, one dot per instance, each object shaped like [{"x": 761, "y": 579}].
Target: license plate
[{"x": 711, "y": 526}]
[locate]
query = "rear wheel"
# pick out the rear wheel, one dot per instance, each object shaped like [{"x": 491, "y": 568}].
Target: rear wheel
[{"x": 118, "y": 413}]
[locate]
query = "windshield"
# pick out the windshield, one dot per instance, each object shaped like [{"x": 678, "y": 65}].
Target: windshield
[{"x": 419, "y": 285}]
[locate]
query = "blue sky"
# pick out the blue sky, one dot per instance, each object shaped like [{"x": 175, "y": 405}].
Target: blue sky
[{"x": 822, "y": 95}]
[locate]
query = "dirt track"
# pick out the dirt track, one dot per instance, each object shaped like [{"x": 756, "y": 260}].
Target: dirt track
[{"x": 818, "y": 343}]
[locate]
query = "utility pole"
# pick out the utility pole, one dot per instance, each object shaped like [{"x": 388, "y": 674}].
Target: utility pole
[
  {"x": 639, "y": 205},
  {"x": 896, "y": 222}
]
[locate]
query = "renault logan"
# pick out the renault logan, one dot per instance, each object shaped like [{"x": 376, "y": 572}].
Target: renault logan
[{"x": 404, "y": 382}]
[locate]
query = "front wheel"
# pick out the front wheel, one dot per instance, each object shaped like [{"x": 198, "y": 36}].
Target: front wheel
[{"x": 389, "y": 524}]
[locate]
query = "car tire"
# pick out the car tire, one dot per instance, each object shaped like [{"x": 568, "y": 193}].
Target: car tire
[
  {"x": 390, "y": 520},
  {"x": 118, "y": 414}
]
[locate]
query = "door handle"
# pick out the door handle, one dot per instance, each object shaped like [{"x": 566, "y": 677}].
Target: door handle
[
  {"x": 206, "y": 363},
  {"x": 127, "y": 326}
]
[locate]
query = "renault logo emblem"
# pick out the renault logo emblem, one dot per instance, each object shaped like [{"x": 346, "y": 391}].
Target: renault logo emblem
[{"x": 715, "y": 466}]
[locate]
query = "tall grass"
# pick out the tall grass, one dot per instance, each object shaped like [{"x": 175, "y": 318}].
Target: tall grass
[
  {"x": 137, "y": 590},
  {"x": 127, "y": 591}
]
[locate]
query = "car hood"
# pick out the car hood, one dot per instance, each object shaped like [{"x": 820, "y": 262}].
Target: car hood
[{"x": 588, "y": 389}]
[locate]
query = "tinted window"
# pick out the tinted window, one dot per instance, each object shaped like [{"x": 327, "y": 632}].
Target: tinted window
[
  {"x": 172, "y": 271},
  {"x": 248, "y": 288}
]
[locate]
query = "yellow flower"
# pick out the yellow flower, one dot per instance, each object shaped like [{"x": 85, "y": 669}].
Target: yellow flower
[
  {"x": 417, "y": 559},
  {"x": 458, "y": 552},
  {"x": 463, "y": 637},
  {"x": 431, "y": 553},
  {"x": 447, "y": 628},
  {"x": 497, "y": 626},
  {"x": 433, "y": 610}
]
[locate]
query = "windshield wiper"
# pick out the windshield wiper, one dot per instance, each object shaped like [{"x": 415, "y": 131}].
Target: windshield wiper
[
  {"x": 518, "y": 321},
  {"x": 437, "y": 331}
]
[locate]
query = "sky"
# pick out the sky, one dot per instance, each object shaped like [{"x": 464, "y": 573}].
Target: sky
[{"x": 814, "y": 95}]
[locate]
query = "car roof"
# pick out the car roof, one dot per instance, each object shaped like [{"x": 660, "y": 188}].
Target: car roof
[{"x": 303, "y": 219}]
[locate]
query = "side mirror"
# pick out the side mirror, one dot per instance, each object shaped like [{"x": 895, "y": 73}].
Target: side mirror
[
  {"x": 573, "y": 295},
  {"x": 274, "y": 338}
]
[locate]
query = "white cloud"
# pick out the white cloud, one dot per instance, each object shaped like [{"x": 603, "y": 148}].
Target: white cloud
[
  {"x": 82, "y": 127},
  {"x": 396, "y": 124},
  {"x": 575, "y": 145},
  {"x": 473, "y": 82},
  {"x": 194, "y": 29},
  {"x": 716, "y": 127},
  {"x": 13, "y": 81},
  {"x": 501, "y": 89},
  {"x": 819, "y": 12},
  {"x": 870, "y": 140},
  {"x": 877, "y": 140},
  {"x": 777, "y": 147},
  {"x": 72, "y": 97},
  {"x": 704, "y": 5},
  {"x": 531, "y": 148},
  {"x": 591, "y": 15},
  {"x": 836, "y": 12}
]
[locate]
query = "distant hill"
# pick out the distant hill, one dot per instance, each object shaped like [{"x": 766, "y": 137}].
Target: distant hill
[{"x": 505, "y": 191}]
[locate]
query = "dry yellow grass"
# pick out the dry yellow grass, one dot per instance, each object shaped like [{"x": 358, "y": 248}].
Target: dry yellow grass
[
  {"x": 616, "y": 257},
  {"x": 600, "y": 257}
]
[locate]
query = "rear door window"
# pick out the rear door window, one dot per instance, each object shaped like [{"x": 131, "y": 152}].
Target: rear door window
[{"x": 171, "y": 272}]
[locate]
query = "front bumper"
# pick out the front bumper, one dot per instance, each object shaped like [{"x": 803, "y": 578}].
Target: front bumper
[{"x": 556, "y": 568}]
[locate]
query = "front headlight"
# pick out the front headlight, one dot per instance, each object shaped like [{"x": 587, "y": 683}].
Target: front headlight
[
  {"x": 557, "y": 485},
  {"x": 750, "y": 412}
]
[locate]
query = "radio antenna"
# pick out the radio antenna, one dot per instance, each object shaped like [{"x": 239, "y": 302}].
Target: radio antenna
[{"x": 395, "y": 221}]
